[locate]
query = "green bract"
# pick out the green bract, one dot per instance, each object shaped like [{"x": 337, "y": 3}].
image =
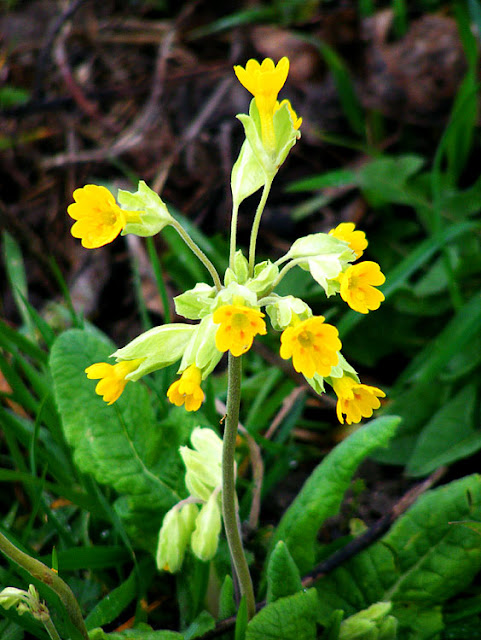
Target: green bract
[
  {"x": 195, "y": 303},
  {"x": 269, "y": 162},
  {"x": 324, "y": 256},
  {"x": 265, "y": 274},
  {"x": 203, "y": 465},
  {"x": 282, "y": 309},
  {"x": 201, "y": 349},
  {"x": 160, "y": 346},
  {"x": 343, "y": 367},
  {"x": 154, "y": 215},
  {"x": 247, "y": 174}
]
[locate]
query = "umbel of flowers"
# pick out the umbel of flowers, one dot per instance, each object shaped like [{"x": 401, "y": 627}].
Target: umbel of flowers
[{"x": 228, "y": 314}]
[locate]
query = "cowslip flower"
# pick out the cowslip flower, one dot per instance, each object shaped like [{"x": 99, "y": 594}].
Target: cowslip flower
[
  {"x": 356, "y": 239},
  {"x": 296, "y": 121},
  {"x": 99, "y": 219},
  {"x": 312, "y": 345},
  {"x": 355, "y": 400},
  {"x": 238, "y": 326},
  {"x": 357, "y": 286},
  {"x": 187, "y": 391},
  {"x": 112, "y": 377},
  {"x": 264, "y": 81}
]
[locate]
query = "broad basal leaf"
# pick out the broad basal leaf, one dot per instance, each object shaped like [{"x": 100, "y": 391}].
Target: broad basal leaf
[
  {"x": 120, "y": 445},
  {"x": 286, "y": 618},
  {"x": 422, "y": 561}
]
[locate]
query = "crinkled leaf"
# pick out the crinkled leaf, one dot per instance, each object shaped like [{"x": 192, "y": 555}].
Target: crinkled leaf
[
  {"x": 286, "y": 618},
  {"x": 121, "y": 445},
  {"x": 141, "y": 632},
  {"x": 423, "y": 560},
  {"x": 321, "y": 495}
]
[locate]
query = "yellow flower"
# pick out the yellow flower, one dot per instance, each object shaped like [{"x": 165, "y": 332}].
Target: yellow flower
[
  {"x": 296, "y": 122},
  {"x": 238, "y": 326},
  {"x": 264, "y": 81},
  {"x": 312, "y": 345},
  {"x": 355, "y": 400},
  {"x": 355, "y": 238},
  {"x": 187, "y": 389},
  {"x": 357, "y": 286},
  {"x": 112, "y": 377},
  {"x": 99, "y": 218}
]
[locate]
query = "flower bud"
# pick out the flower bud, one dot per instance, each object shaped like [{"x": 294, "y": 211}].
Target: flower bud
[
  {"x": 153, "y": 213},
  {"x": 265, "y": 274},
  {"x": 205, "y": 537},
  {"x": 240, "y": 271},
  {"x": 174, "y": 536}
]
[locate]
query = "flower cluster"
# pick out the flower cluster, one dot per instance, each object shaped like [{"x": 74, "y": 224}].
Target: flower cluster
[
  {"x": 228, "y": 315},
  {"x": 185, "y": 524}
]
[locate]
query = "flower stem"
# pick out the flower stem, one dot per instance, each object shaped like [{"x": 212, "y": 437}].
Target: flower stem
[
  {"x": 50, "y": 628},
  {"x": 256, "y": 223},
  {"x": 40, "y": 571},
  {"x": 196, "y": 250},
  {"x": 233, "y": 234},
  {"x": 229, "y": 497}
]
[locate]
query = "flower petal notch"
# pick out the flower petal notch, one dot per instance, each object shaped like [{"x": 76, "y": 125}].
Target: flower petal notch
[
  {"x": 113, "y": 377},
  {"x": 355, "y": 400},
  {"x": 187, "y": 390},
  {"x": 238, "y": 327},
  {"x": 312, "y": 345},
  {"x": 99, "y": 219},
  {"x": 358, "y": 284}
]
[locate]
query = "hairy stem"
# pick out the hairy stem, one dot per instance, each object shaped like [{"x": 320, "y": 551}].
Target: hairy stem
[
  {"x": 229, "y": 497},
  {"x": 255, "y": 225},
  {"x": 40, "y": 571},
  {"x": 197, "y": 251}
]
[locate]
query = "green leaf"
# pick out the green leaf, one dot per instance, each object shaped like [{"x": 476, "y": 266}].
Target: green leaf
[
  {"x": 283, "y": 577},
  {"x": 241, "y": 621},
  {"x": 203, "y": 623},
  {"x": 141, "y": 632},
  {"x": 338, "y": 178},
  {"x": 383, "y": 180},
  {"x": 321, "y": 495},
  {"x": 450, "y": 435},
  {"x": 423, "y": 560},
  {"x": 17, "y": 277},
  {"x": 286, "y": 618},
  {"x": 113, "y": 604},
  {"x": 121, "y": 445},
  {"x": 226, "y": 599}
]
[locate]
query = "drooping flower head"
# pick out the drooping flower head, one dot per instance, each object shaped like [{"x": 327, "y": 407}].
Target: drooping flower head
[
  {"x": 264, "y": 81},
  {"x": 312, "y": 345},
  {"x": 238, "y": 326},
  {"x": 187, "y": 390},
  {"x": 356, "y": 239},
  {"x": 358, "y": 284},
  {"x": 355, "y": 400},
  {"x": 99, "y": 218},
  {"x": 113, "y": 377}
]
